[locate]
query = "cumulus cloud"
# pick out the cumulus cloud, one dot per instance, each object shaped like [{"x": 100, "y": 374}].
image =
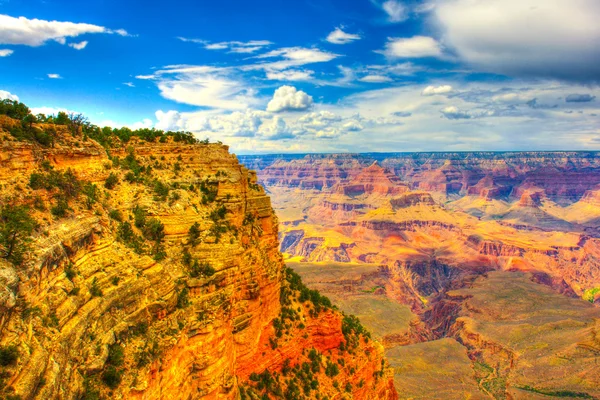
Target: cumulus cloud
[
  {"x": 4, "y": 95},
  {"x": 36, "y": 32},
  {"x": 395, "y": 10},
  {"x": 275, "y": 129},
  {"x": 79, "y": 46},
  {"x": 531, "y": 38},
  {"x": 375, "y": 79},
  {"x": 288, "y": 98},
  {"x": 5, "y": 52},
  {"x": 54, "y": 76},
  {"x": 169, "y": 120},
  {"x": 319, "y": 119},
  {"x": 452, "y": 112},
  {"x": 414, "y": 47},
  {"x": 579, "y": 98},
  {"x": 433, "y": 90},
  {"x": 352, "y": 126},
  {"x": 338, "y": 36}
]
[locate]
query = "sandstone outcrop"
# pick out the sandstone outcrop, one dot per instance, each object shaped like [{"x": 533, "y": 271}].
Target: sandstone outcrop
[{"x": 119, "y": 299}]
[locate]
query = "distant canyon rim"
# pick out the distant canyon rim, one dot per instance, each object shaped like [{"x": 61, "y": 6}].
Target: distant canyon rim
[{"x": 478, "y": 271}]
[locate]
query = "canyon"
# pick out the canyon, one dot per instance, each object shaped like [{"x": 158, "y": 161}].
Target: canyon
[
  {"x": 478, "y": 272},
  {"x": 152, "y": 271}
]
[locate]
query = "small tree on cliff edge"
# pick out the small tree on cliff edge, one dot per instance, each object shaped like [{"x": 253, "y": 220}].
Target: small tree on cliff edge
[{"x": 16, "y": 226}]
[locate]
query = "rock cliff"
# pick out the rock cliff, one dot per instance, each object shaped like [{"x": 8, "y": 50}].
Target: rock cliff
[{"x": 154, "y": 272}]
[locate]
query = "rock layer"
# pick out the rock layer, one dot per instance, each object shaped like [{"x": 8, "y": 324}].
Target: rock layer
[{"x": 85, "y": 294}]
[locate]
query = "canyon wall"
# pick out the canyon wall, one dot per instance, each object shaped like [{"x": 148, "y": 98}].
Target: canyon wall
[{"x": 159, "y": 277}]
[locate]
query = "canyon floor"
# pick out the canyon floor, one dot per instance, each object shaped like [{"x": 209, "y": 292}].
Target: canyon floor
[{"x": 478, "y": 272}]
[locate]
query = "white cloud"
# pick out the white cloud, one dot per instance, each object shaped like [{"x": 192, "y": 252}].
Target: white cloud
[
  {"x": 216, "y": 46},
  {"x": 338, "y": 36},
  {"x": 319, "y": 119},
  {"x": 433, "y": 90},
  {"x": 5, "y": 52},
  {"x": 36, "y": 32},
  {"x": 549, "y": 38},
  {"x": 233, "y": 46},
  {"x": 130, "y": 84},
  {"x": 290, "y": 75},
  {"x": 79, "y": 46},
  {"x": 414, "y": 47},
  {"x": 375, "y": 79},
  {"x": 453, "y": 112},
  {"x": 288, "y": 98},
  {"x": 292, "y": 57},
  {"x": 4, "y": 95},
  {"x": 395, "y": 10},
  {"x": 54, "y": 76},
  {"x": 352, "y": 126},
  {"x": 230, "y": 88},
  {"x": 146, "y": 123},
  {"x": 48, "y": 110},
  {"x": 204, "y": 86},
  {"x": 169, "y": 121},
  {"x": 275, "y": 129},
  {"x": 474, "y": 116}
]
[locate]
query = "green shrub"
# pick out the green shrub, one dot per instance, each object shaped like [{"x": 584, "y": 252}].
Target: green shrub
[
  {"x": 111, "y": 181},
  {"x": 187, "y": 258},
  {"x": 161, "y": 190},
  {"x": 8, "y": 355},
  {"x": 112, "y": 377},
  {"x": 116, "y": 355},
  {"x": 116, "y": 215},
  {"x": 139, "y": 216},
  {"x": 90, "y": 190},
  {"x": 70, "y": 272},
  {"x": 183, "y": 298},
  {"x": 59, "y": 210},
  {"x": 154, "y": 230},
  {"x": 331, "y": 369},
  {"x": 95, "y": 290},
  {"x": 16, "y": 227},
  {"x": 201, "y": 269}
]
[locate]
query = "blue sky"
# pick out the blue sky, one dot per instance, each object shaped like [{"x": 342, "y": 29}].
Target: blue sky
[{"x": 310, "y": 76}]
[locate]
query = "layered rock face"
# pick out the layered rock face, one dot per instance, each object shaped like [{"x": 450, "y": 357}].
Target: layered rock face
[
  {"x": 565, "y": 176},
  {"x": 120, "y": 298},
  {"x": 414, "y": 251}
]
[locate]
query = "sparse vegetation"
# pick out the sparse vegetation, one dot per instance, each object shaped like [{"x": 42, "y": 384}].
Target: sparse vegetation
[
  {"x": 194, "y": 233},
  {"x": 198, "y": 269},
  {"x": 183, "y": 298},
  {"x": 557, "y": 393},
  {"x": 111, "y": 181},
  {"x": 16, "y": 227},
  {"x": 95, "y": 290},
  {"x": 8, "y": 355},
  {"x": 116, "y": 215}
]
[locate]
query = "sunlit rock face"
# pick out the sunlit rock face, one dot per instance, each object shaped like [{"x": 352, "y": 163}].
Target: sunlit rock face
[
  {"x": 431, "y": 250},
  {"x": 91, "y": 312}
]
